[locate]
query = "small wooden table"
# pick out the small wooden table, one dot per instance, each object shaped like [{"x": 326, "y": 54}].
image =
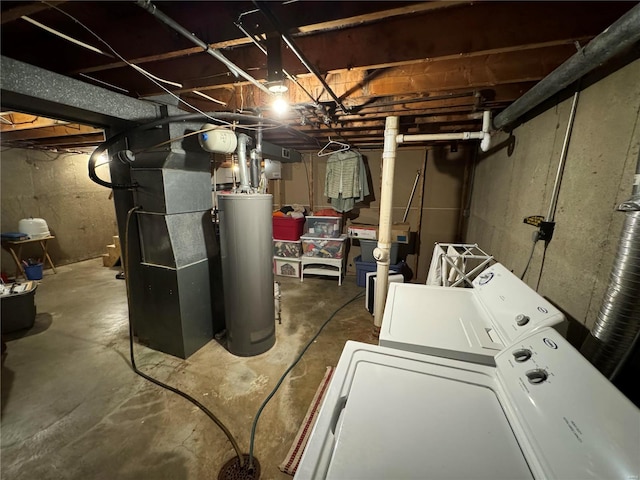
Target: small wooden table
[{"x": 15, "y": 249}]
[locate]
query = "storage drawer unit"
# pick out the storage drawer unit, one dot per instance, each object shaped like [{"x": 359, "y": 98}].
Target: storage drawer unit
[
  {"x": 286, "y": 267},
  {"x": 323, "y": 247},
  {"x": 287, "y": 249}
]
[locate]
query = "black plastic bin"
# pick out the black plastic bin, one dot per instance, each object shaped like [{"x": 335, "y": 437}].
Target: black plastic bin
[{"x": 18, "y": 308}]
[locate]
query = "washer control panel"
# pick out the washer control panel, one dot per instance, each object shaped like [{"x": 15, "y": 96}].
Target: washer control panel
[
  {"x": 582, "y": 425},
  {"x": 522, "y": 355},
  {"x": 515, "y": 308},
  {"x": 536, "y": 376}
]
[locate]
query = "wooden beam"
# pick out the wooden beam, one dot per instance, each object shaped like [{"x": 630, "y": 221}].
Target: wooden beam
[
  {"x": 13, "y": 121},
  {"x": 480, "y": 29},
  {"x": 27, "y": 8},
  {"x": 50, "y": 132},
  {"x": 347, "y": 22}
]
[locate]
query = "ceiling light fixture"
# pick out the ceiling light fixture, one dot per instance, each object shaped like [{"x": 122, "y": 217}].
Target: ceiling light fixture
[
  {"x": 280, "y": 106},
  {"x": 277, "y": 87}
]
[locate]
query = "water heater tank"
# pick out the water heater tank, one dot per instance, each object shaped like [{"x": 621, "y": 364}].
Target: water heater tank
[
  {"x": 34, "y": 227},
  {"x": 246, "y": 247},
  {"x": 217, "y": 140}
]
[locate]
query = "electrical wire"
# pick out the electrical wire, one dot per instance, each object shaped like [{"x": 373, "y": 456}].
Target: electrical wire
[
  {"x": 533, "y": 248},
  {"x": 177, "y": 391},
  {"x": 544, "y": 257},
  {"x": 135, "y": 67},
  {"x": 291, "y": 367}
]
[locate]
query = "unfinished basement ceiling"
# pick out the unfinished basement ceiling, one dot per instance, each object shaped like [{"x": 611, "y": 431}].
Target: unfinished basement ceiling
[{"x": 437, "y": 65}]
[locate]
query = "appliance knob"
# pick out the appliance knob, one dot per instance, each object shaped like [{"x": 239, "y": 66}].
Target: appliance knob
[
  {"x": 536, "y": 376},
  {"x": 522, "y": 320},
  {"x": 522, "y": 355}
]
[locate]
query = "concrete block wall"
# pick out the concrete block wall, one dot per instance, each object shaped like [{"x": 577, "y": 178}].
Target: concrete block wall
[
  {"x": 56, "y": 187},
  {"x": 598, "y": 176},
  {"x": 439, "y": 205}
]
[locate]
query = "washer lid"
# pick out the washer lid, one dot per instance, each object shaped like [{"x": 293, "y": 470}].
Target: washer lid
[
  {"x": 444, "y": 321},
  {"x": 388, "y": 416}
]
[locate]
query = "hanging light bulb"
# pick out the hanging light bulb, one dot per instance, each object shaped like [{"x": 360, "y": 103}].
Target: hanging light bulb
[{"x": 280, "y": 106}]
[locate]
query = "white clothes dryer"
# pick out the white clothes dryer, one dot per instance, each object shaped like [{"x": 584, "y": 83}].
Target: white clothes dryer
[
  {"x": 543, "y": 412},
  {"x": 471, "y": 324}
]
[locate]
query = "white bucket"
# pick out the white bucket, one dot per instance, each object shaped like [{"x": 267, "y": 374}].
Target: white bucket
[{"x": 34, "y": 227}]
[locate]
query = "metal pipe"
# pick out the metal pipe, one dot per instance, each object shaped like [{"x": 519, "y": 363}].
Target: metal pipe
[
  {"x": 153, "y": 10},
  {"x": 382, "y": 251},
  {"x": 298, "y": 53},
  {"x": 563, "y": 158},
  {"x": 264, "y": 50},
  {"x": 413, "y": 192},
  {"x": 622, "y": 34},
  {"x": 256, "y": 159},
  {"x": 243, "y": 140}
]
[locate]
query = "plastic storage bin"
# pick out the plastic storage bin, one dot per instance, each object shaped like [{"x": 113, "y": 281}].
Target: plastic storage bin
[
  {"x": 286, "y": 267},
  {"x": 287, "y": 248},
  {"x": 363, "y": 267},
  {"x": 18, "y": 308},
  {"x": 366, "y": 250},
  {"x": 323, "y": 247},
  {"x": 323, "y": 227},
  {"x": 33, "y": 272},
  {"x": 287, "y": 228}
]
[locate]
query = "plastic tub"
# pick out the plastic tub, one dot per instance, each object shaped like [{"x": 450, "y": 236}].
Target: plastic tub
[
  {"x": 287, "y": 228},
  {"x": 366, "y": 250},
  {"x": 362, "y": 268},
  {"x": 33, "y": 272}
]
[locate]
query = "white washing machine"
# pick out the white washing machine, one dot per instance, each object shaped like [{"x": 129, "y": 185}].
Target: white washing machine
[
  {"x": 543, "y": 412},
  {"x": 471, "y": 324}
]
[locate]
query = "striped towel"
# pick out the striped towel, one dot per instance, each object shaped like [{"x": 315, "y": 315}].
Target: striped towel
[{"x": 292, "y": 460}]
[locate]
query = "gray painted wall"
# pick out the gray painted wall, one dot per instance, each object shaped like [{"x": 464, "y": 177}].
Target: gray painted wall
[
  {"x": 56, "y": 187},
  {"x": 598, "y": 176}
]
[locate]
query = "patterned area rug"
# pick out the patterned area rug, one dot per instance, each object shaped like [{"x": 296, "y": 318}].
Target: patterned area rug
[{"x": 292, "y": 460}]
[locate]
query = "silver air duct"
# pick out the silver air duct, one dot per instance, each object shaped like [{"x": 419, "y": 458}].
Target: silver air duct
[
  {"x": 618, "y": 322},
  {"x": 243, "y": 141}
]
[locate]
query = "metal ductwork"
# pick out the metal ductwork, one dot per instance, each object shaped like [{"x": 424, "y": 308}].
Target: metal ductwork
[
  {"x": 243, "y": 170},
  {"x": 620, "y": 36},
  {"x": 618, "y": 323}
]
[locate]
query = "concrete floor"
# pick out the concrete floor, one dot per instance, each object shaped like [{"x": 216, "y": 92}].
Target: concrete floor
[{"x": 73, "y": 409}]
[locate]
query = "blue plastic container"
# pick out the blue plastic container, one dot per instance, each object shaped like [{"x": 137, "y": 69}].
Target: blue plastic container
[
  {"x": 33, "y": 272},
  {"x": 363, "y": 267}
]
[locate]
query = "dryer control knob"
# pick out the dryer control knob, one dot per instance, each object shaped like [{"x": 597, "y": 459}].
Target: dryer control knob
[
  {"x": 522, "y": 320},
  {"x": 536, "y": 376},
  {"x": 522, "y": 355}
]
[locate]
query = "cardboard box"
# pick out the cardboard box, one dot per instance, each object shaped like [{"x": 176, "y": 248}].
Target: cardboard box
[
  {"x": 368, "y": 232},
  {"x": 399, "y": 232}
]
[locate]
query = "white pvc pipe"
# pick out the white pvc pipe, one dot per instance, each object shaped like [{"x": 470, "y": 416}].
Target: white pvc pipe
[
  {"x": 484, "y": 135},
  {"x": 382, "y": 252}
]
